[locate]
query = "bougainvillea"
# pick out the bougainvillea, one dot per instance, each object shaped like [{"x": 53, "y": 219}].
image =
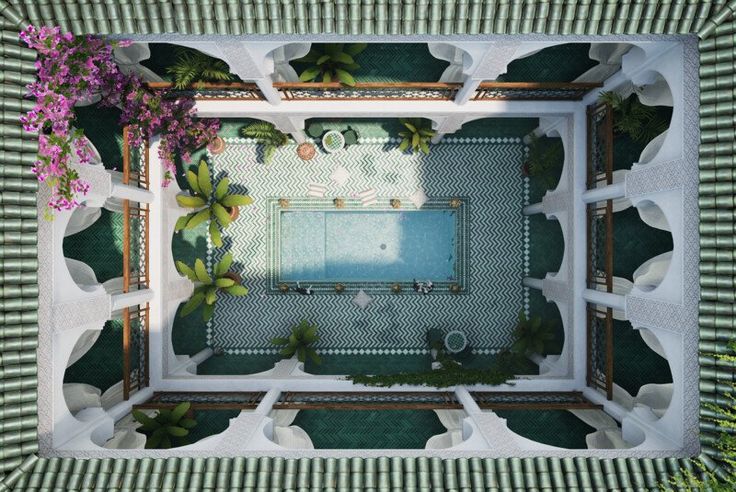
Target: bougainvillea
[{"x": 72, "y": 69}]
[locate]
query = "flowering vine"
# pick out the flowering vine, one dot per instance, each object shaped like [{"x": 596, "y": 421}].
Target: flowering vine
[{"x": 71, "y": 69}]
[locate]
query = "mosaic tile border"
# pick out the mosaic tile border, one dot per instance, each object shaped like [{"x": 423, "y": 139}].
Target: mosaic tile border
[{"x": 442, "y": 287}]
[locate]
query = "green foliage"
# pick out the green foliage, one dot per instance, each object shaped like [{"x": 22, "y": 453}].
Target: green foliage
[
  {"x": 209, "y": 285},
  {"x": 169, "y": 427},
  {"x": 194, "y": 67},
  {"x": 299, "y": 342},
  {"x": 417, "y": 135},
  {"x": 211, "y": 204},
  {"x": 267, "y": 135},
  {"x": 331, "y": 62},
  {"x": 633, "y": 118},
  {"x": 531, "y": 335},
  {"x": 544, "y": 160}
]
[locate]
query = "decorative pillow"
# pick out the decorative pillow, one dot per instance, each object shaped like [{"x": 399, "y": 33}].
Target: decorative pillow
[
  {"x": 419, "y": 198},
  {"x": 362, "y": 299}
]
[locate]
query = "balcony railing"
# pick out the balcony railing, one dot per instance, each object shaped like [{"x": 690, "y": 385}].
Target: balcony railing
[
  {"x": 535, "y": 91},
  {"x": 600, "y": 145},
  {"x": 600, "y": 349},
  {"x": 385, "y": 400},
  {"x": 204, "y": 400},
  {"x": 135, "y": 267},
  {"x": 381, "y": 91},
  {"x": 532, "y": 400}
]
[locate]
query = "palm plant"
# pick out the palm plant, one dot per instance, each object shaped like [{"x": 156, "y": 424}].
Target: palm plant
[
  {"x": 216, "y": 205},
  {"x": 169, "y": 427},
  {"x": 531, "y": 335},
  {"x": 208, "y": 286},
  {"x": 417, "y": 135},
  {"x": 332, "y": 62},
  {"x": 298, "y": 342},
  {"x": 544, "y": 160},
  {"x": 630, "y": 116},
  {"x": 193, "y": 66},
  {"x": 267, "y": 135}
]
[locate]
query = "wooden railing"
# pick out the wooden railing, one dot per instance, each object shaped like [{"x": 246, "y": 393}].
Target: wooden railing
[
  {"x": 600, "y": 349},
  {"x": 599, "y": 145},
  {"x": 136, "y": 258},
  {"x": 380, "y": 91},
  {"x": 384, "y": 400},
  {"x": 203, "y": 400},
  {"x": 534, "y": 91},
  {"x": 368, "y": 91},
  {"x": 136, "y": 326},
  {"x": 532, "y": 400}
]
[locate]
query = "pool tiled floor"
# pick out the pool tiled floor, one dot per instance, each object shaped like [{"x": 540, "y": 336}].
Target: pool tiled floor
[{"x": 488, "y": 171}]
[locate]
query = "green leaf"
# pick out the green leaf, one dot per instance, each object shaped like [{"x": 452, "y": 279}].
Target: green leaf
[
  {"x": 301, "y": 354},
  {"x": 411, "y": 127},
  {"x": 222, "y": 189},
  {"x": 182, "y": 221},
  {"x": 190, "y": 201},
  {"x": 210, "y": 295},
  {"x": 333, "y": 48},
  {"x": 178, "y": 412},
  {"x": 192, "y": 180},
  {"x": 424, "y": 147},
  {"x": 176, "y": 431},
  {"x": 355, "y": 48},
  {"x": 208, "y": 311},
  {"x": 192, "y": 304},
  {"x": 310, "y": 334},
  {"x": 144, "y": 419},
  {"x": 165, "y": 442},
  {"x": 198, "y": 218},
  {"x": 415, "y": 141},
  {"x": 187, "y": 423},
  {"x": 222, "y": 215},
  {"x": 223, "y": 265},
  {"x": 312, "y": 354},
  {"x": 404, "y": 145},
  {"x": 327, "y": 77},
  {"x": 215, "y": 235},
  {"x": 237, "y": 290},
  {"x": 345, "y": 77},
  {"x": 154, "y": 441},
  {"x": 322, "y": 59},
  {"x": 309, "y": 74},
  {"x": 342, "y": 57},
  {"x": 280, "y": 341},
  {"x": 201, "y": 272},
  {"x": 186, "y": 270},
  {"x": 224, "y": 282},
  {"x": 237, "y": 200},
  {"x": 203, "y": 178},
  {"x": 268, "y": 153},
  {"x": 288, "y": 351}
]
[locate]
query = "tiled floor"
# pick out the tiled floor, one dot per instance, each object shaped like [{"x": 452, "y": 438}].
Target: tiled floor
[{"x": 485, "y": 170}]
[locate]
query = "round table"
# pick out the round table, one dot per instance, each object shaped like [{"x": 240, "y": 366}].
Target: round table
[
  {"x": 455, "y": 341},
  {"x": 333, "y": 141}
]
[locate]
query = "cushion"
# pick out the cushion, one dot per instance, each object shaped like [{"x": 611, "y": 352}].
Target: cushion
[
  {"x": 368, "y": 197},
  {"x": 340, "y": 175},
  {"x": 362, "y": 299},
  {"x": 316, "y": 190},
  {"x": 419, "y": 198}
]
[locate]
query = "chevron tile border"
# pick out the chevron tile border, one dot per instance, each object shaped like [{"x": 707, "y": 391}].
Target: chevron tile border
[{"x": 486, "y": 171}]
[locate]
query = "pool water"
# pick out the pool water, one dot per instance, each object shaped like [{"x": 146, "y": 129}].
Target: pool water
[{"x": 368, "y": 246}]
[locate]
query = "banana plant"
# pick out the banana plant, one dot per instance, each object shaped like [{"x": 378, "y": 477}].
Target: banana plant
[
  {"x": 216, "y": 205},
  {"x": 417, "y": 135},
  {"x": 531, "y": 335},
  {"x": 208, "y": 286},
  {"x": 332, "y": 62},
  {"x": 298, "y": 342},
  {"x": 168, "y": 427}
]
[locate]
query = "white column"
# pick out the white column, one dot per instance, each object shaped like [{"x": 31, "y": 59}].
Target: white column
[
  {"x": 534, "y": 283},
  {"x": 202, "y": 355},
  {"x": 536, "y": 208}
]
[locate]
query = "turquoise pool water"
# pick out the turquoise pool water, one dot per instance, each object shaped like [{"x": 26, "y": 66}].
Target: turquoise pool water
[{"x": 368, "y": 246}]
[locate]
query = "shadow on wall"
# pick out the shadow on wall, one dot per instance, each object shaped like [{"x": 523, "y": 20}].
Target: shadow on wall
[
  {"x": 634, "y": 242},
  {"x": 100, "y": 246}
]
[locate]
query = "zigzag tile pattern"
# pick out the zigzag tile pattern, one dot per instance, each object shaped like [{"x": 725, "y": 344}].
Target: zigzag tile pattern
[{"x": 486, "y": 170}]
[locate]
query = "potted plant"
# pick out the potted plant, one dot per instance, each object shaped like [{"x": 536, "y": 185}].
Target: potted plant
[
  {"x": 267, "y": 135},
  {"x": 544, "y": 159},
  {"x": 531, "y": 335},
  {"x": 208, "y": 286},
  {"x": 395, "y": 203},
  {"x": 193, "y": 67},
  {"x": 306, "y": 151},
  {"x": 216, "y": 205},
  {"x": 339, "y": 202},
  {"x": 299, "y": 342},
  {"x": 331, "y": 62},
  {"x": 417, "y": 136},
  {"x": 631, "y": 117},
  {"x": 168, "y": 428},
  {"x": 339, "y": 288}
]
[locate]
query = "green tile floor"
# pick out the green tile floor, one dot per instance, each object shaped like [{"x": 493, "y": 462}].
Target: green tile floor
[
  {"x": 563, "y": 63},
  {"x": 553, "y": 427},
  {"x": 365, "y": 429}
]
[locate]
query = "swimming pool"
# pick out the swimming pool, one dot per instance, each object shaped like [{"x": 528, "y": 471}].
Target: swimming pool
[{"x": 368, "y": 248}]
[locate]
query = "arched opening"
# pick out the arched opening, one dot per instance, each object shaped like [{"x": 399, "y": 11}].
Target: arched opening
[
  {"x": 559, "y": 63},
  {"x": 546, "y": 246},
  {"x": 549, "y": 313},
  {"x": 376, "y": 62},
  {"x": 558, "y": 428},
  {"x": 640, "y": 237},
  {"x": 640, "y": 367},
  {"x": 100, "y": 246},
  {"x": 175, "y": 63}
]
